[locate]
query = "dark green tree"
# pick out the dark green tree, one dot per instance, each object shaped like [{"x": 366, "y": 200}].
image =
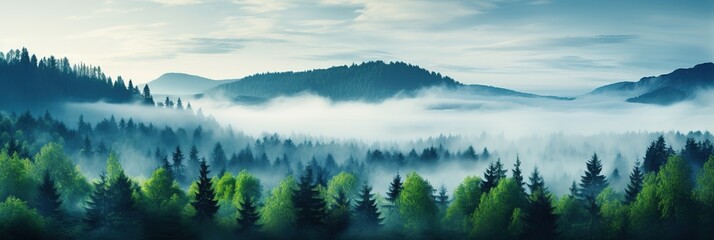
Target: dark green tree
[
  {"x": 48, "y": 200},
  {"x": 493, "y": 174},
  {"x": 539, "y": 218},
  {"x": 309, "y": 204},
  {"x": 178, "y": 168},
  {"x": 442, "y": 200},
  {"x": 205, "y": 201},
  {"x": 218, "y": 156},
  {"x": 517, "y": 174},
  {"x": 535, "y": 181},
  {"x": 635, "y": 186},
  {"x": 656, "y": 155},
  {"x": 395, "y": 187},
  {"x": 193, "y": 161},
  {"x": 98, "y": 205},
  {"x": 592, "y": 183},
  {"x": 366, "y": 212},
  {"x": 339, "y": 215},
  {"x": 123, "y": 207},
  {"x": 248, "y": 215}
]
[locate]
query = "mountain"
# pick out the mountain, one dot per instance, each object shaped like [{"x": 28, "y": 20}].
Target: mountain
[
  {"x": 182, "y": 84},
  {"x": 370, "y": 81},
  {"x": 664, "y": 89}
]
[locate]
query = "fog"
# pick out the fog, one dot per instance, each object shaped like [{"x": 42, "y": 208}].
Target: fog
[{"x": 557, "y": 136}]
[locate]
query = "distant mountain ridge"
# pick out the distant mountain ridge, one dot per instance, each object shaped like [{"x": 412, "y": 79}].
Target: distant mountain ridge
[
  {"x": 664, "y": 89},
  {"x": 369, "y": 81},
  {"x": 183, "y": 84}
]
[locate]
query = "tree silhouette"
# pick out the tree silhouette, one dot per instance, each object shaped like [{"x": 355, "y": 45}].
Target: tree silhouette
[
  {"x": 395, "y": 187},
  {"x": 310, "y": 206},
  {"x": 517, "y": 174},
  {"x": 48, "y": 200},
  {"x": 539, "y": 219},
  {"x": 592, "y": 183},
  {"x": 248, "y": 215},
  {"x": 366, "y": 211},
  {"x": 205, "y": 201},
  {"x": 635, "y": 185}
]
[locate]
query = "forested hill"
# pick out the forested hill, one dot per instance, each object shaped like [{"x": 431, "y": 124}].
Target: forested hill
[
  {"x": 29, "y": 82},
  {"x": 370, "y": 81},
  {"x": 664, "y": 89}
]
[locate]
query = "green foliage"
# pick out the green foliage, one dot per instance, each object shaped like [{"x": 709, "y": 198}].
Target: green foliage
[
  {"x": 278, "y": 214},
  {"x": 635, "y": 185},
  {"x": 70, "y": 182},
  {"x": 571, "y": 214},
  {"x": 114, "y": 168},
  {"x": 675, "y": 194},
  {"x": 496, "y": 209},
  {"x": 18, "y": 221},
  {"x": 15, "y": 177},
  {"x": 592, "y": 182},
  {"x": 704, "y": 195},
  {"x": 416, "y": 205},
  {"x": 465, "y": 202},
  {"x": 614, "y": 214},
  {"x": 494, "y": 173},
  {"x": 342, "y": 182},
  {"x": 248, "y": 215},
  {"x": 48, "y": 200},
  {"x": 644, "y": 212},
  {"x": 205, "y": 202},
  {"x": 161, "y": 194},
  {"x": 309, "y": 203},
  {"x": 366, "y": 213},
  {"x": 247, "y": 186}
]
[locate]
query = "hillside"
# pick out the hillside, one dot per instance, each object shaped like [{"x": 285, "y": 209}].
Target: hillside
[
  {"x": 369, "y": 81},
  {"x": 664, "y": 89},
  {"x": 29, "y": 82},
  {"x": 181, "y": 84}
]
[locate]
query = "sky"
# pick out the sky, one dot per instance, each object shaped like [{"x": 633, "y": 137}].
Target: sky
[{"x": 566, "y": 47}]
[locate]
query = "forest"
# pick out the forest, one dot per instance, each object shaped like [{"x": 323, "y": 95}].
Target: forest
[
  {"x": 121, "y": 177},
  {"x": 190, "y": 194}
]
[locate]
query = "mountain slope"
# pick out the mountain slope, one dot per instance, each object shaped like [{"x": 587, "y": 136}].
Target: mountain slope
[
  {"x": 181, "y": 83},
  {"x": 664, "y": 89},
  {"x": 369, "y": 81}
]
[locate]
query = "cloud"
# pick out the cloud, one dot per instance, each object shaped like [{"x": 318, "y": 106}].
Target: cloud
[
  {"x": 351, "y": 56},
  {"x": 177, "y": 2}
]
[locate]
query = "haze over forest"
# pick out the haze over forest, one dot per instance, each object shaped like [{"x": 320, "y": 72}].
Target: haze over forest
[{"x": 357, "y": 119}]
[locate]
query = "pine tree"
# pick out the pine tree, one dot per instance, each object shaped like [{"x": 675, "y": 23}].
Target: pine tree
[
  {"x": 167, "y": 165},
  {"x": 248, "y": 215},
  {"x": 310, "y": 206},
  {"x": 218, "y": 156},
  {"x": 592, "y": 183},
  {"x": 536, "y": 182},
  {"x": 98, "y": 205},
  {"x": 395, "y": 188},
  {"x": 539, "y": 219},
  {"x": 493, "y": 174},
  {"x": 442, "y": 200},
  {"x": 122, "y": 209},
  {"x": 48, "y": 200},
  {"x": 485, "y": 154},
  {"x": 517, "y": 174},
  {"x": 178, "y": 168},
  {"x": 573, "y": 190},
  {"x": 656, "y": 155},
  {"x": 193, "y": 161},
  {"x": 366, "y": 211},
  {"x": 205, "y": 201},
  {"x": 635, "y": 185}
]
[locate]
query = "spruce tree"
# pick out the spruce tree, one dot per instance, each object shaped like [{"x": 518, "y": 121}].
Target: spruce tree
[
  {"x": 656, "y": 155},
  {"x": 539, "y": 219},
  {"x": 493, "y": 174},
  {"x": 535, "y": 181},
  {"x": 309, "y": 204},
  {"x": 248, "y": 215},
  {"x": 442, "y": 200},
  {"x": 178, "y": 168},
  {"x": 635, "y": 185},
  {"x": 205, "y": 201},
  {"x": 193, "y": 161},
  {"x": 395, "y": 188},
  {"x": 592, "y": 183},
  {"x": 122, "y": 209},
  {"x": 48, "y": 200},
  {"x": 339, "y": 217},
  {"x": 573, "y": 189},
  {"x": 98, "y": 205},
  {"x": 366, "y": 211},
  {"x": 218, "y": 156},
  {"x": 517, "y": 174}
]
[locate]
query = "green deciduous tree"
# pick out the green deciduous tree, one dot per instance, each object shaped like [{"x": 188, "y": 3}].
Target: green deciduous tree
[
  {"x": 18, "y": 221},
  {"x": 343, "y": 182},
  {"x": 279, "y": 214},
  {"x": 416, "y": 205},
  {"x": 16, "y": 177},
  {"x": 70, "y": 182},
  {"x": 495, "y": 211},
  {"x": 675, "y": 194},
  {"x": 465, "y": 201},
  {"x": 704, "y": 195}
]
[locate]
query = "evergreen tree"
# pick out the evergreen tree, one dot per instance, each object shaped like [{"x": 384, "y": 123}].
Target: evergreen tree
[
  {"x": 98, "y": 205},
  {"x": 218, "y": 156},
  {"x": 87, "y": 149},
  {"x": 635, "y": 185},
  {"x": 193, "y": 161},
  {"x": 366, "y": 211},
  {"x": 248, "y": 215},
  {"x": 309, "y": 204},
  {"x": 148, "y": 99},
  {"x": 120, "y": 193},
  {"x": 485, "y": 154},
  {"x": 536, "y": 181},
  {"x": 179, "y": 104},
  {"x": 395, "y": 187},
  {"x": 178, "y": 168},
  {"x": 493, "y": 174},
  {"x": 339, "y": 217},
  {"x": 442, "y": 200},
  {"x": 573, "y": 190},
  {"x": 205, "y": 201},
  {"x": 592, "y": 183},
  {"x": 517, "y": 174},
  {"x": 48, "y": 200},
  {"x": 656, "y": 155},
  {"x": 539, "y": 218}
]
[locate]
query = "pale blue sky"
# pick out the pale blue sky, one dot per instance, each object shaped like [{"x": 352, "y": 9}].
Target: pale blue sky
[{"x": 562, "y": 47}]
